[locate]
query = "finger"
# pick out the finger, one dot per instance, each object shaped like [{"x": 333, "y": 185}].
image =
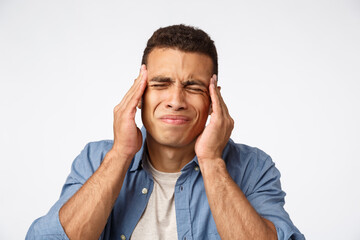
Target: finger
[
  {"x": 221, "y": 100},
  {"x": 137, "y": 92},
  {"x": 215, "y": 100},
  {"x": 222, "y": 103},
  {"x": 134, "y": 94},
  {"x": 221, "y": 107},
  {"x": 136, "y": 83}
]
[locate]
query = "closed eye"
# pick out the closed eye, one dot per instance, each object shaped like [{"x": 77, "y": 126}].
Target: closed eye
[
  {"x": 159, "y": 86},
  {"x": 195, "y": 86},
  {"x": 195, "y": 89},
  {"x": 160, "y": 82}
]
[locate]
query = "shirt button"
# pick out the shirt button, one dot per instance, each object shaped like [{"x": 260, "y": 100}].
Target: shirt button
[
  {"x": 123, "y": 237},
  {"x": 181, "y": 188},
  {"x": 196, "y": 168},
  {"x": 144, "y": 191}
]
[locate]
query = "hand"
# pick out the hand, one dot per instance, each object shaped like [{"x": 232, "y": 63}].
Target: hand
[
  {"x": 127, "y": 136},
  {"x": 216, "y": 134}
]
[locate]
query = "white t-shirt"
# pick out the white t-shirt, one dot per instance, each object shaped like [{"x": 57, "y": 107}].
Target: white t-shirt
[{"x": 159, "y": 218}]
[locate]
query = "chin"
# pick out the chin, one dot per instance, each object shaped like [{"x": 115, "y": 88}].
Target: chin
[
  {"x": 171, "y": 139},
  {"x": 174, "y": 141}
]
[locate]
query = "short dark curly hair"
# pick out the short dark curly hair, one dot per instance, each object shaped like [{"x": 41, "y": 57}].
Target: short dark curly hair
[{"x": 184, "y": 38}]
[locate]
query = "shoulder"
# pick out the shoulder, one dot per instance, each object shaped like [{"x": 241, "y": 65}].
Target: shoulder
[
  {"x": 97, "y": 150},
  {"x": 98, "y": 147},
  {"x": 91, "y": 156},
  {"x": 241, "y": 153},
  {"x": 247, "y": 164}
]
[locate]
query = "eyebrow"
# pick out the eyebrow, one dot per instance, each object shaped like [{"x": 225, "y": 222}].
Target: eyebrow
[
  {"x": 194, "y": 82},
  {"x": 161, "y": 79}
]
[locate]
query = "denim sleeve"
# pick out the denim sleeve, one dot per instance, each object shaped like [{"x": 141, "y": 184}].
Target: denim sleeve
[
  {"x": 267, "y": 198},
  {"x": 49, "y": 226}
]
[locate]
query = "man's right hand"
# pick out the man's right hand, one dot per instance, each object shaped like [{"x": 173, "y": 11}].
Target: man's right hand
[
  {"x": 85, "y": 215},
  {"x": 127, "y": 136}
]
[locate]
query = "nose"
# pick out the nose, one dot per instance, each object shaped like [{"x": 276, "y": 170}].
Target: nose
[{"x": 176, "y": 99}]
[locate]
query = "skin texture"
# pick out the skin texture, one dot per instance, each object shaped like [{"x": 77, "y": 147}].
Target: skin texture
[
  {"x": 176, "y": 106},
  {"x": 181, "y": 92}
]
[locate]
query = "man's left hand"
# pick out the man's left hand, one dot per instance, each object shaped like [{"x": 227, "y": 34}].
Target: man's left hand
[{"x": 212, "y": 141}]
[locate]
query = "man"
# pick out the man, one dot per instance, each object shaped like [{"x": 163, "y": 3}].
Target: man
[{"x": 175, "y": 179}]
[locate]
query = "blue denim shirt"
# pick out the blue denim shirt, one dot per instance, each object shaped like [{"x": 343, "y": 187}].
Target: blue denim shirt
[{"x": 252, "y": 170}]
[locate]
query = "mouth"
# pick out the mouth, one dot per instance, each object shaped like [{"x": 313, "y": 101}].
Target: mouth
[{"x": 175, "y": 119}]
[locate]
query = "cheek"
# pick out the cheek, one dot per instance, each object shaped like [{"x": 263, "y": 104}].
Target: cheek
[
  {"x": 150, "y": 99},
  {"x": 202, "y": 106},
  {"x": 152, "y": 102}
]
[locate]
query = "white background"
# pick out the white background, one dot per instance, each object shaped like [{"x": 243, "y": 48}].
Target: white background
[{"x": 289, "y": 71}]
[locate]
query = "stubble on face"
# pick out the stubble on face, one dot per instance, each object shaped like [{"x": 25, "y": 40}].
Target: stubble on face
[{"x": 176, "y": 102}]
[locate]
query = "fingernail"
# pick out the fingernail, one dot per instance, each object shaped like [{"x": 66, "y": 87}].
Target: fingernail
[
  {"x": 213, "y": 82},
  {"x": 215, "y": 77}
]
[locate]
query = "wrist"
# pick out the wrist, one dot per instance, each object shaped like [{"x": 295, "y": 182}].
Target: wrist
[
  {"x": 211, "y": 165},
  {"x": 116, "y": 156}
]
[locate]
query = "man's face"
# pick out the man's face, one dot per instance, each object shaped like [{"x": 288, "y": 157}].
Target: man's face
[{"x": 176, "y": 102}]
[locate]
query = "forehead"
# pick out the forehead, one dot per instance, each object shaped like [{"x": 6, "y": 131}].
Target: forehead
[{"x": 168, "y": 61}]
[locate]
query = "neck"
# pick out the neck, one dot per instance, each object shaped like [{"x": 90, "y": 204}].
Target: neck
[{"x": 168, "y": 158}]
